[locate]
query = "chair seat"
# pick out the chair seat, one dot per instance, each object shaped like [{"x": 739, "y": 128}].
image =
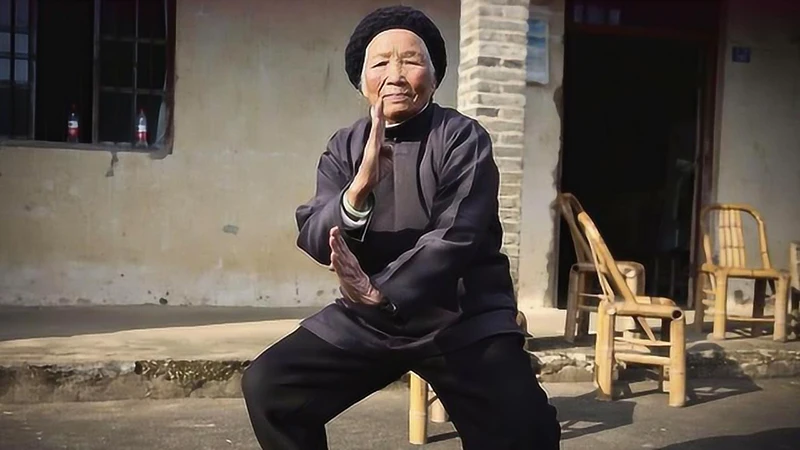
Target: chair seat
[{"x": 629, "y": 269}]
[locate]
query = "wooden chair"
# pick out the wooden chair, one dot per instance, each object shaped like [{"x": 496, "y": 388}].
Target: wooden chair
[
  {"x": 794, "y": 289},
  {"x": 424, "y": 404},
  {"x": 668, "y": 352},
  {"x": 713, "y": 275},
  {"x": 581, "y": 273}
]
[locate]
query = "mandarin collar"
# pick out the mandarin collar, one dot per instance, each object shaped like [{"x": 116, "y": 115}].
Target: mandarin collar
[{"x": 411, "y": 129}]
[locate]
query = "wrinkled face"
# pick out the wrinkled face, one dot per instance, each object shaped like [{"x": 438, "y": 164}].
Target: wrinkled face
[{"x": 397, "y": 68}]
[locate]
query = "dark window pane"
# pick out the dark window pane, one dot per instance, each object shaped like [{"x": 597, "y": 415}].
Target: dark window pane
[
  {"x": 5, "y": 13},
  {"x": 116, "y": 64},
  {"x": 21, "y": 44},
  {"x": 152, "y": 66},
  {"x": 22, "y": 14},
  {"x": 152, "y": 22},
  {"x": 21, "y": 71},
  {"x": 114, "y": 117},
  {"x": 5, "y": 111},
  {"x": 5, "y": 42},
  {"x": 151, "y": 104},
  {"x": 118, "y": 17},
  {"x": 22, "y": 106},
  {"x": 64, "y": 75},
  {"x": 5, "y": 69}
]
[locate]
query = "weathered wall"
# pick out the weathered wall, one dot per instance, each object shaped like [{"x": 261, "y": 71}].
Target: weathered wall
[
  {"x": 538, "y": 241},
  {"x": 260, "y": 89},
  {"x": 758, "y": 156}
]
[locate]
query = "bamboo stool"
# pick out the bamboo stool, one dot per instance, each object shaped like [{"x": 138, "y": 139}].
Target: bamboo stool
[
  {"x": 580, "y": 274},
  {"x": 668, "y": 352},
  {"x": 732, "y": 263},
  {"x": 424, "y": 404}
]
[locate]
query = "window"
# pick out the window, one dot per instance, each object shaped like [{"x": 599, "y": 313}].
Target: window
[{"x": 106, "y": 61}]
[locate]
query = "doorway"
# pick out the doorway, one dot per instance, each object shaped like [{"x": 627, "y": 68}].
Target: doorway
[{"x": 635, "y": 108}]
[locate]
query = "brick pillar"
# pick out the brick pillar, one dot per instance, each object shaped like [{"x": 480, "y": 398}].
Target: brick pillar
[{"x": 491, "y": 89}]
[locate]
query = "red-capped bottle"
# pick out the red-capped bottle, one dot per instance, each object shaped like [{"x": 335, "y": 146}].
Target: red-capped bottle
[
  {"x": 141, "y": 129},
  {"x": 73, "y": 126}
]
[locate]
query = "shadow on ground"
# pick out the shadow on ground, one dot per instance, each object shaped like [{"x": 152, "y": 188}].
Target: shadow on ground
[
  {"x": 779, "y": 439},
  {"x": 21, "y": 322},
  {"x": 584, "y": 415},
  {"x": 579, "y": 416}
]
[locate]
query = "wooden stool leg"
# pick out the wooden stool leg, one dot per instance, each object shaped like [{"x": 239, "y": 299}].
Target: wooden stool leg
[
  {"x": 604, "y": 352},
  {"x": 437, "y": 411},
  {"x": 572, "y": 307},
  {"x": 720, "y": 306},
  {"x": 418, "y": 411},
  {"x": 781, "y": 308},
  {"x": 759, "y": 301},
  {"x": 677, "y": 362}
]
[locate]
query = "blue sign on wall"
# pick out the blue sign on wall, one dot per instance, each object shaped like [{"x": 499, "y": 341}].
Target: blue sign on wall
[{"x": 741, "y": 54}]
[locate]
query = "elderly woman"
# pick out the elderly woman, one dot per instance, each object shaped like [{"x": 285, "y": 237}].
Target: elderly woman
[{"x": 406, "y": 214}]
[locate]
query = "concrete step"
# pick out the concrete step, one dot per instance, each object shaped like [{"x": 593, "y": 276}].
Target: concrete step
[
  {"x": 45, "y": 358},
  {"x": 168, "y": 378}
]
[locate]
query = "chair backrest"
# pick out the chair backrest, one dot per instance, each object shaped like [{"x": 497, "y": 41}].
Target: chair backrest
[
  {"x": 726, "y": 221},
  {"x": 794, "y": 264},
  {"x": 611, "y": 280},
  {"x": 570, "y": 208}
]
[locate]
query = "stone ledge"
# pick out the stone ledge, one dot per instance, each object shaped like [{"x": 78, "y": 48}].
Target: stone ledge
[
  {"x": 576, "y": 365},
  {"x": 161, "y": 379}
]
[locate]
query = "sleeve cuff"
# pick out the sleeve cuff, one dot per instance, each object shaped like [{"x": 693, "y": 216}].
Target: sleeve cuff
[
  {"x": 350, "y": 224},
  {"x": 352, "y": 218}
]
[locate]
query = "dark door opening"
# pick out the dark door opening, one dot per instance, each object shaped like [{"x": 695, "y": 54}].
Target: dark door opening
[{"x": 633, "y": 105}]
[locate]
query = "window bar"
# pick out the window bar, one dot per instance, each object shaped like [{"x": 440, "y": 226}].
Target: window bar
[
  {"x": 135, "y": 123},
  {"x": 96, "y": 74},
  {"x": 33, "y": 32}
]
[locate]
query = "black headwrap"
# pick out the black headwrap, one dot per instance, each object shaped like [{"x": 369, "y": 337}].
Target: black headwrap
[{"x": 388, "y": 18}]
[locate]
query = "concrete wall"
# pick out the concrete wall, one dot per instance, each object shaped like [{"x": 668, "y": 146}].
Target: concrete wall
[
  {"x": 260, "y": 89},
  {"x": 758, "y": 159},
  {"x": 538, "y": 240}
]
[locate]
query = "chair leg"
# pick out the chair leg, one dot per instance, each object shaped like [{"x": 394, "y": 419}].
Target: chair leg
[
  {"x": 572, "y": 307},
  {"x": 794, "y": 316},
  {"x": 699, "y": 306},
  {"x": 759, "y": 301},
  {"x": 781, "y": 307},
  {"x": 418, "y": 411},
  {"x": 677, "y": 362},
  {"x": 720, "y": 306},
  {"x": 666, "y": 325},
  {"x": 583, "y": 316},
  {"x": 604, "y": 352}
]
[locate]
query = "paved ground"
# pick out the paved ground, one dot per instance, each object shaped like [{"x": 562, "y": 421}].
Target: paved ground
[
  {"x": 92, "y": 334},
  {"x": 26, "y": 322},
  {"x": 726, "y": 415}
]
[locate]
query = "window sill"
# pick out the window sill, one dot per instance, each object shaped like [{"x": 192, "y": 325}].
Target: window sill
[{"x": 155, "y": 152}]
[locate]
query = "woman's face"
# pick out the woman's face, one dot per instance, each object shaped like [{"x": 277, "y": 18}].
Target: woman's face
[{"x": 398, "y": 69}]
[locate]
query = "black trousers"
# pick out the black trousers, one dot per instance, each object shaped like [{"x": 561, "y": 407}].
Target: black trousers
[{"x": 489, "y": 390}]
